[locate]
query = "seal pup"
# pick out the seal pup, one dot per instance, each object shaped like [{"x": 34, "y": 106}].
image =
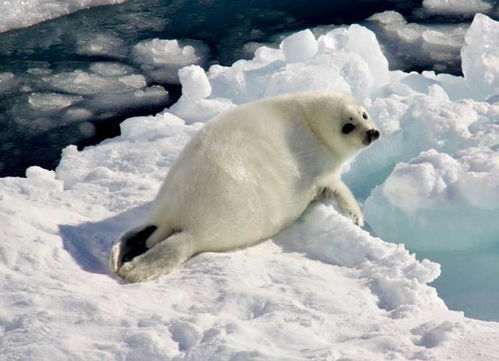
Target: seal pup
[{"x": 246, "y": 175}]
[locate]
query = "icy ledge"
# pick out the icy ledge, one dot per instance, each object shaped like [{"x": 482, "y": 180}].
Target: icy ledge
[
  {"x": 20, "y": 14},
  {"x": 323, "y": 289}
]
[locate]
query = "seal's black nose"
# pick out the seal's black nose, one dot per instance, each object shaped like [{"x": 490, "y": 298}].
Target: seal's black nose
[{"x": 372, "y": 134}]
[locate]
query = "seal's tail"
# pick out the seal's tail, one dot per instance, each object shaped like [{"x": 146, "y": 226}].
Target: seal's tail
[
  {"x": 133, "y": 261},
  {"x": 130, "y": 245}
]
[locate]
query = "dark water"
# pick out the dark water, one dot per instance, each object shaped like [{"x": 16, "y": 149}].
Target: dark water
[{"x": 225, "y": 26}]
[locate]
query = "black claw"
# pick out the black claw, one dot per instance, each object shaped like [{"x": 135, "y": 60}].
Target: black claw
[{"x": 133, "y": 244}]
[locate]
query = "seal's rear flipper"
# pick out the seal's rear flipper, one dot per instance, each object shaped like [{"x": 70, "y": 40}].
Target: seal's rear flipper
[
  {"x": 130, "y": 245},
  {"x": 159, "y": 259}
]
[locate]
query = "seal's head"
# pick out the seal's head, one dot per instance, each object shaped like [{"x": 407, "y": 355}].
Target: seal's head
[{"x": 342, "y": 123}]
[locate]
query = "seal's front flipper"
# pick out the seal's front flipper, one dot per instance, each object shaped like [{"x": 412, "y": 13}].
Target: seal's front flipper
[
  {"x": 130, "y": 245},
  {"x": 345, "y": 200}
]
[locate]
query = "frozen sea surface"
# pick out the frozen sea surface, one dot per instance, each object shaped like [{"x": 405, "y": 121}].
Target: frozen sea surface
[{"x": 323, "y": 289}]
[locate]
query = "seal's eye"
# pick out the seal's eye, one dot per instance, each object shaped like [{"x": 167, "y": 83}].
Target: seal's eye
[
  {"x": 347, "y": 128},
  {"x": 364, "y": 115}
]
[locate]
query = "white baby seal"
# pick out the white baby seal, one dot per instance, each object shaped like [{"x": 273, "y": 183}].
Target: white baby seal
[{"x": 245, "y": 176}]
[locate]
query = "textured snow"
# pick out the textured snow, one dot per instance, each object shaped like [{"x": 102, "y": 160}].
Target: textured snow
[
  {"x": 322, "y": 289},
  {"x": 463, "y": 179},
  {"x": 340, "y": 64},
  {"x": 418, "y": 44},
  {"x": 448, "y": 7},
  {"x": 105, "y": 90},
  {"x": 22, "y": 13},
  {"x": 195, "y": 84},
  {"x": 43, "y": 98},
  {"x": 434, "y": 189},
  {"x": 299, "y": 46},
  {"x": 161, "y": 59},
  {"x": 481, "y": 57}
]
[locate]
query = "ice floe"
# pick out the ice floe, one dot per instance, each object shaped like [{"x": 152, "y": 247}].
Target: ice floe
[
  {"x": 20, "y": 14},
  {"x": 321, "y": 289}
]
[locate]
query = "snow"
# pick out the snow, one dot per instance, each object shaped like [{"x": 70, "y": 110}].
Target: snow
[
  {"x": 85, "y": 83},
  {"x": 101, "y": 44},
  {"x": 299, "y": 46},
  {"x": 195, "y": 84},
  {"x": 481, "y": 57},
  {"x": 48, "y": 100},
  {"x": 46, "y": 97},
  {"x": 448, "y": 7},
  {"x": 433, "y": 189},
  {"x": 161, "y": 59},
  {"x": 52, "y": 101},
  {"x": 22, "y": 13},
  {"x": 270, "y": 74},
  {"x": 322, "y": 289},
  {"x": 413, "y": 44}
]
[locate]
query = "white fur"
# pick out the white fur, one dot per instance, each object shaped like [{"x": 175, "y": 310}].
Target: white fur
[{"x": 247, "y": 174}]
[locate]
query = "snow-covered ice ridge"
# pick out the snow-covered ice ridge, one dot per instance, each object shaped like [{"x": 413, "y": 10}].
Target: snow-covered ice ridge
[
  {"x": 22, "y": 13},
  {"x": 323, "y": 289}
]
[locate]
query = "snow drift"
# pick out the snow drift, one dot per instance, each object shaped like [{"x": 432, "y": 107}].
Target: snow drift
[{"x": 323, "y": 289}]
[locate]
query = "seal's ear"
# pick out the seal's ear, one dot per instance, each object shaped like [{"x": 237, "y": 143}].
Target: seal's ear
[{"x": 130, "y": 245}]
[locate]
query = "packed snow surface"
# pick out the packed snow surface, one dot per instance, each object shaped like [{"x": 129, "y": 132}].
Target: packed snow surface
[
  {"x": 22, "y": 13},
  {"x": 322, "y": 289}
]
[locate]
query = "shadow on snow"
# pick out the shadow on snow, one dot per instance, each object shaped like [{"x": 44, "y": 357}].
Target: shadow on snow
[{"x": 90, "y": 243}]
